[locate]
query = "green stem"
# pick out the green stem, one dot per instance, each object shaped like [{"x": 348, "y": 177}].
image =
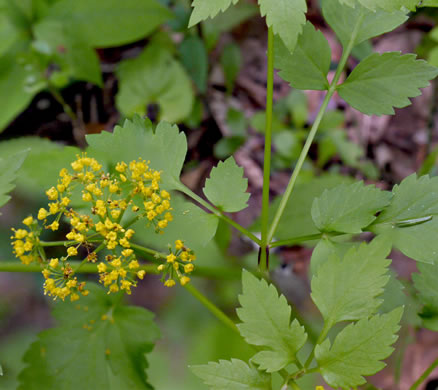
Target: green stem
[
  {"x": 88, "y": 268},
  {"x": 218, "y": 313},
  {"x": 216, "y": 212},
  {"x": 296, "y": 240},
  {"x": 67, "y": 109},
  {"x": 85, "y": 261},
  {"x": 292, "y": 384},
  {"x": 425, "y": 375},
  {"x": 314, "y": 129},
  {"x": 263, "y": 263},
  {"x": 321, "y": 338}
]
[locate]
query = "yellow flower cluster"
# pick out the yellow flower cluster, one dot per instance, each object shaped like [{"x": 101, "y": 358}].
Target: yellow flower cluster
[
  {"x": 60, "y": 282},
  {"x": 134, "y": 185},
  {"x": 25, "y": 241},
  {"x": 178, "y": 265}
]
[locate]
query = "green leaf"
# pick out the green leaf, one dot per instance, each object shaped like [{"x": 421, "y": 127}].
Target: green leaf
[
  {"x": 358, "y": 350},
  {"x": 165, "y": 148},
  {"x": 305, "y": 67},
  {"x": 226, "y": 186},
  {"x": 86, "y": 348},
  {"x": 266, "y": 322},
  {"x": 14, "y": 98},
  {"x": 383, "y": 81},
  {"x": 190, "y": 223},
  {"x": 105, "y": 23},
  {"x": 194, "y": 58},
  {"x": 359, "y": 23},
  {"x": 41, "y": 168},
  {"x": 8, "y": 173},
  {"x": 347, "y": 289},
  {"x": 232, "y": 375},
  {"x": 203, "y": 10},
  {"x": 9, "y": 32},
  {"x": 286, "y": 17},
  {"x": 426, "y": 283},
  {"x": 80, "y": 58},
  {"x": 411, "y": 220},
  {"x": 154, "y": 77},
  {"x": 388, "y": 5},
  {"x": 348, "y": 208},
  {"x": 231, "y": 62},
  {"x": 304, "y": 194}
]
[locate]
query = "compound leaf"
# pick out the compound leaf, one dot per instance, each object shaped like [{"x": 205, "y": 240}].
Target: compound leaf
[
  {"x": 203, "y": 10},
  {"x": 383, "y": 81},
  {"x": 359, "y": 23},
  {"x": 348, "y": 208},
  {"x": 232, "y": 375},
  {"x": 347, "y": 289},
  {"x": 307, "y": 66},
  {"x": 411, "y": 220},
  {"x": 98, "y": 342},
  {"x": 226, "y": 186},
  {"x": 105, "y": 23},
  {"x": 154, "y": 77},
  {"x": 358, "y": 350},
  {"x": 9, "y": 167},
  {"x": 286, "y": 17},
  {"x": 165, "y": 148},
  {"x": 426, "y": 283},
  {"x": 266, "y": 322}
]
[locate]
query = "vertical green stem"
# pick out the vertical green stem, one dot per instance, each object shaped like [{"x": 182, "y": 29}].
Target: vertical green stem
[
  {"x": 425, "y": 374},
  {"x": 267, "y": 156},
  {"x": 314, "y": 129}
]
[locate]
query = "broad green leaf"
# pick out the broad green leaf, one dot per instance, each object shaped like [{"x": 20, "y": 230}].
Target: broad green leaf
[
  {"x": 383, "y": 81},
  {"x": 9, "y": 167},
  {"x": 9, "y": 32},
  {"x": 190, "y": 223},
  {"x": 194, "y": 58},
  {"x": 14, "y": 98},
  {"x": 307, "y": 66},
  {"x": 106, "y": 23},
  {"x": 429, "y": 3},
  {"x": 358, "y": 350},
  {"x": 203, "y": 10},
  {"x": 154, "y": 77},
  {"x": 297, "y": 221},
  {"x": 388, "y": 5},
  {"x": 232, "y": 375},
  {"x": 348, "y": 208},
  {"x": 98, "y": 342},
  {"x": 80, "y": 58},
  {"x": 426, "y": 283},
  {"x": 41, "y": 168},
  {"x": 226, "y": 186},
  {"x": 266, "y": 323},
  {"x": 165, "y": 148},
  {"x": 347, "y": 288},
  {"x": 411, "y": 220},
  {"x": 359, "y": 23},
  {"x": 286, "y": 17}
]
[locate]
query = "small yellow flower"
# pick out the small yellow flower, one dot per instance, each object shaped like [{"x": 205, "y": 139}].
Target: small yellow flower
[
  {"x": 169, "y": 283},
  {"x": 86, "y": 197},
  {"x": 115, "y": 213},
  {"x": 121, "y": 167},
  {"x": 72, "y": 251},
  {"x": 171, "y": 258},
  {"x": 101, "y": 267},
  {"x": 161, "y": 267},
  {"x": 188, "y": 268},
  {"x": 54, "y": 225},
  {"x": 42, "y": 213},
  {"x": 141, "y": 274},
  {"x": 184, "y": 280},
  {"x": 179, "y": 245},
  {"x": 127, "y": 252},
  {"x": 52, "y": 194},
  {"x": 28, "y": 221},
  {"x": 54, "y": 263}
]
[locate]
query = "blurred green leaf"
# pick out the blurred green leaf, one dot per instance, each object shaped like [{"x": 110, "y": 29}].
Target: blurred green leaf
[
  {"x": 388, "y": 5},
  {"x": 105, "y": 23},
  {"x": 231, "y": 62},
  {"x": 154, "y": 77},
  {"x": 194, "y": 58},
  {"x": 9, "y": 167},
  {"x": 426, "y": 283},
  {"x": 228, "y": 146},
  {"x": 202, "y": 10},
  {"x": 85, "y": 347}
]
